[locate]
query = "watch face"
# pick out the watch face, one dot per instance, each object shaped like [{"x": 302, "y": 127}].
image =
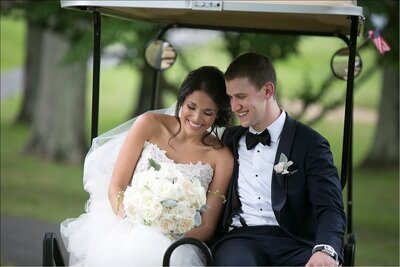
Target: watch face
[{"x": 329, "y": 250}]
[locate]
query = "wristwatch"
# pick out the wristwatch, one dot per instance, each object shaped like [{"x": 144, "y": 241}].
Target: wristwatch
[{"x": 328, "y": 250}]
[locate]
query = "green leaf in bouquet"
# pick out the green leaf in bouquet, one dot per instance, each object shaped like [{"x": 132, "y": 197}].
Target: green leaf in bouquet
[
  {"x": 169, "y": 203},
  {"x": 203, "y": 208},
  {"x": 154, "y": 164},
  {"x": 197, "y": 219}
]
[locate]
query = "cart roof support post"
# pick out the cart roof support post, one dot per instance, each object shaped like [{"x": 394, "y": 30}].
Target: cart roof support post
[
  {"x": 347, "y": 151},
  {"x": 96, "y": 73}
]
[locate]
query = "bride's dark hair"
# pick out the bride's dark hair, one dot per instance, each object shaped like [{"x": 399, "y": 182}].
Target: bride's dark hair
[{"x": 210, "y": 80}]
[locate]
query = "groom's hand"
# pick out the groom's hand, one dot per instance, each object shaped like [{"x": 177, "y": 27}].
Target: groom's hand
[{"x": 321, "y": 259}]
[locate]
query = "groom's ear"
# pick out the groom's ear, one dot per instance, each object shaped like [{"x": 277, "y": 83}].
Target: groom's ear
[{"x": 269, "y": 90}]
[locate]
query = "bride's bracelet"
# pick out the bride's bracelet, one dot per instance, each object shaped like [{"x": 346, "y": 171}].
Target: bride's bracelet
[
  {"x": 218, "y": 194},
  {"x": 119, "y": 198}
]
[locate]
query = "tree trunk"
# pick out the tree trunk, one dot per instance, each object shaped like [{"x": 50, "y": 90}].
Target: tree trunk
[
  {"x": 58, "y": 122},
  {"x": 385, "y": 148},
  {"x": 33, "y": 57}
]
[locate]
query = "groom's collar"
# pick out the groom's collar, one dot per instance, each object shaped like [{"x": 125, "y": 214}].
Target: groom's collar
[{"x": 275, "y": 128}]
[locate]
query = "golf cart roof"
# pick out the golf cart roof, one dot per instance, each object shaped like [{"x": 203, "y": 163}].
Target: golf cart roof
[{"x": 314, "y": 17}]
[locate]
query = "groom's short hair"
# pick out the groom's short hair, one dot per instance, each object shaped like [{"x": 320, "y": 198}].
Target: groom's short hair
[{"x": 256, "y": 67}]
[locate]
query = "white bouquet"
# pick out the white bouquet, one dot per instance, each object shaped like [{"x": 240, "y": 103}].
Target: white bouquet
[{"x": 164, "y": 198}]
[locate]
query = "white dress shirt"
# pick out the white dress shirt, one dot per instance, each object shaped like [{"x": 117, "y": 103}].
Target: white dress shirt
[{"x": 255, "y": 175}]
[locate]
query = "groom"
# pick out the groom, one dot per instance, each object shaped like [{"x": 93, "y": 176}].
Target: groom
[{"x": 285, "y": 203}]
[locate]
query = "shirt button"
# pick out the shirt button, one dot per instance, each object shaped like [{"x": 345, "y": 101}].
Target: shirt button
[
  {"x": 256, "y": 175},
  {"x": 259, "y": 197},
  {"x": 260, "y": 209},
  {"x": 258, "y": 151}
]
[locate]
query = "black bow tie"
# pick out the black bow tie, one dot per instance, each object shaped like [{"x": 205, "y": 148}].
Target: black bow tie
[{"x": 253, "y": 139}]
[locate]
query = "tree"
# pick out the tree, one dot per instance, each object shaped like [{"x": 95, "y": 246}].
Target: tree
[
  {"x": 33, "y": 54},
  {"x": 384, "y": 152},
  {"x": 275, "y": 46},
  {"x": 55, "y": 88},
  {"x": 58, "y": 132}
]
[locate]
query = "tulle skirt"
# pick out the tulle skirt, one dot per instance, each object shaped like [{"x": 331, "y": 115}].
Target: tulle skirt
[{"x": 96, "y": 239}]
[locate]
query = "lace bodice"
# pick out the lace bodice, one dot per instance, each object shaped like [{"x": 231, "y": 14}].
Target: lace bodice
[{"x": 200, "y": 171}]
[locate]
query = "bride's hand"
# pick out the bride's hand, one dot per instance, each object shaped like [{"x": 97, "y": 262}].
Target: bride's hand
[{"x": 122, "y": 216}]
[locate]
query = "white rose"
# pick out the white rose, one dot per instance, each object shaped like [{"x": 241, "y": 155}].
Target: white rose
[
  {"x": 169, "y": 171},
  {"x": 151, "y": 208},
  {"x": 188, "y": 191},
  {"x": 279, "y": 168},
  {"x": 134, "y": 213},
  {"x": 195, "y": 193},
  {"x": 185, "y": 216},
  {"x": 201, "y": 197},
  {"x": 167, "y": 224},
  {"x": 131, "y": 196},
  {"x": 185, "y": 225},
  {"x": 132, "y": 203},
  {"x": 184, "y": 210},
  {"x": 165, "y": 190}
]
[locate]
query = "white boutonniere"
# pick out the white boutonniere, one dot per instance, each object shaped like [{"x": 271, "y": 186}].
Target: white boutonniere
[{"x": 283, "y": 165}]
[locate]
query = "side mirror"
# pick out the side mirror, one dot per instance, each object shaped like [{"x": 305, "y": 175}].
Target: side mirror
[
  {"x": 339, "y": 64},
  {"x": 160, "y": 54}
]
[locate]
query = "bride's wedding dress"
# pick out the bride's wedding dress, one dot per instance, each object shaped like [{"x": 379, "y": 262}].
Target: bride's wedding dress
[{"x": 99, "y": 238}]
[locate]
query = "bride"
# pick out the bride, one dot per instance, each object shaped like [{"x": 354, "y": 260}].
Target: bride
[{"x": 189, "y": 141}]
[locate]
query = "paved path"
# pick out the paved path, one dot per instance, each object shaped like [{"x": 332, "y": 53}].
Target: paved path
[
  {"x": 11, "y": 82},
  {"x": 22, "y": 240}
]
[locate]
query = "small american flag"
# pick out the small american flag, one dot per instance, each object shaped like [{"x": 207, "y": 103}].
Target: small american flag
[{"x": 379, "y": 41}]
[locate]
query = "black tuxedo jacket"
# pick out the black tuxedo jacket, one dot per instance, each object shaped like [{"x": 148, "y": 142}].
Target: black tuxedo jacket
[{"x": 307, "y": 203}]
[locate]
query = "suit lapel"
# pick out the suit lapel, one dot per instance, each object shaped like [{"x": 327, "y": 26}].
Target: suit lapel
[
  {"x": 231, "y": 138},
  {"x": 235, "y": 145},
  {"x": 279, "y": 193}
]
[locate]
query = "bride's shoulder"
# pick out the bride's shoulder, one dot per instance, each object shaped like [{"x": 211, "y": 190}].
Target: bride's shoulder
[
  {"x": 155, "y": 121},
  {"x": 161, "y": 117},
  {"x": 225, "y": 153},
  {"x": 220, "y": 151},
  {"x": 224, "y": 161}
]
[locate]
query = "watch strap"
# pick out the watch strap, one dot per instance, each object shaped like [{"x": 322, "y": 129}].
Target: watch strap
[{"x": 328, "y": 250}]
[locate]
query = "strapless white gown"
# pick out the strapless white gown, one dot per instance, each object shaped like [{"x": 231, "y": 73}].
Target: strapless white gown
[{"x": 99, "y": 238}]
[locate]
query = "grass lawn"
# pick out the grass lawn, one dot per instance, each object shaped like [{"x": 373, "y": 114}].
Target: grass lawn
[
  {"x": 12, "y": 43},
  {"x": 31, "y": 187},
  {"x": 376, "y": 217}
]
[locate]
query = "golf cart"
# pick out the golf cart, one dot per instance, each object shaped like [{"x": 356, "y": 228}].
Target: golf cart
[{"x": 339, "y": 19}]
